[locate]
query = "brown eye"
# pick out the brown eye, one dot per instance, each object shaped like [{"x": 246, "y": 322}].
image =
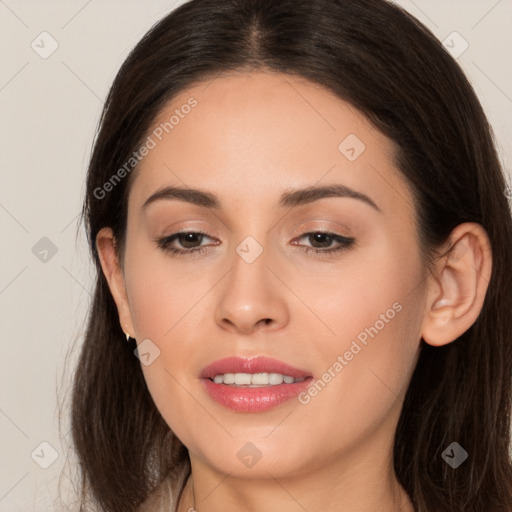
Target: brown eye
[
  {"x": 321, "y": 242},
  {"x": 188, "y": 242}
]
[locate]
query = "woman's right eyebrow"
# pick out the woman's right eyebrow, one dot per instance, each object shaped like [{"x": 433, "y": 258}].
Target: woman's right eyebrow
[{"x": 289, "y": 198}]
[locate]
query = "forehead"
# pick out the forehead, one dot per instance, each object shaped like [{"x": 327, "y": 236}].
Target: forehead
[{"x": 249, "y": 136}]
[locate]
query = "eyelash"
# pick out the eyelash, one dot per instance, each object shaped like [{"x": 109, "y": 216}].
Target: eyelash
[{"x": 165, "y": 243}]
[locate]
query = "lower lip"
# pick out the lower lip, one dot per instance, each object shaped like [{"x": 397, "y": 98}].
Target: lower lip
[{"x": 245, "y": 399}]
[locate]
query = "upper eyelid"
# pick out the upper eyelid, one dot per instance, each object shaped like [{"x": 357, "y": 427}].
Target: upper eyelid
[{"x": 340, "y": 229}]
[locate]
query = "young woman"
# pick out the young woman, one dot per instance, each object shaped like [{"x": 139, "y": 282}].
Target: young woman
[{"x": 303, "y": 249}]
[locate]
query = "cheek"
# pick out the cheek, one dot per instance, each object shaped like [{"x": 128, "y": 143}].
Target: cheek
[
  {"x": 369, "y": 295},
  {"x": 162, "y": 293},
  {"x": 364, "y": 375},
  {"x": 367, "y": 352},
  {"x": 167, "y": 310}
]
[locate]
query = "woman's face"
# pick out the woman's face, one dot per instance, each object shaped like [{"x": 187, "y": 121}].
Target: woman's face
[{"x": 349, "y": 320}]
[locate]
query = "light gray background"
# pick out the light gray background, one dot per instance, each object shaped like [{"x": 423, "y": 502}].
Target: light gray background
[{"x": 50, "y": 108}]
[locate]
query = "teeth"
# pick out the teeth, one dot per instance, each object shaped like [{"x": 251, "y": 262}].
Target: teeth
[
  {"x": 259, "y": 379},
  {"x": 275, "y": 378},
  {"x": 229, "y": 378},
  {"x": 255, "y": 379},
  {"x": 243, "y": 379}
]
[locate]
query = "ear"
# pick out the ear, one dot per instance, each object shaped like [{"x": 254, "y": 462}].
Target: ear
[
  {"x": 457, "y": 287},
  {"x": 106, "y": 245}
]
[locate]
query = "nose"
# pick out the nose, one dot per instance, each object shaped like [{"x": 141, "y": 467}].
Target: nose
[{"x": 252, "y": 298}]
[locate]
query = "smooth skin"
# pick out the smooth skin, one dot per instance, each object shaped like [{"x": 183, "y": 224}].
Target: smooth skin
[{"x": 252, "y": 137}]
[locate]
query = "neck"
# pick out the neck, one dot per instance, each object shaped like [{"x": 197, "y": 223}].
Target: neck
[{"x": 332, "y": 488}]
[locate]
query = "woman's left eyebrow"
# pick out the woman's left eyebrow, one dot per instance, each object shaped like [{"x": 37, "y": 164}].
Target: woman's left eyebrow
[{"x": 289, "y": 198}]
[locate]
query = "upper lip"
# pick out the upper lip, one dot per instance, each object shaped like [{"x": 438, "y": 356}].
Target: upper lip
[{"x": 259, "y": 364}]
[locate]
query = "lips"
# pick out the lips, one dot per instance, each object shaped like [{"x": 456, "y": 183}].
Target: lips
[
  {"x": 254, "y": 365},
  {"x": 248, "y": 399}
]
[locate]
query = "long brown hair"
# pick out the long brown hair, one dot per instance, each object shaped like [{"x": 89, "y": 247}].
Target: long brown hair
[{"x": 380, "y": 59}]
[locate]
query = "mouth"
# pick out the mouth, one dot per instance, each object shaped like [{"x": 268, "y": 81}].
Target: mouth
[
  {"x": 254, "y": 380},
  {"x": 253, "y": 385}
]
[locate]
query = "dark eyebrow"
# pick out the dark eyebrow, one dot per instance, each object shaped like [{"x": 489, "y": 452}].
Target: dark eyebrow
[
  {"x": 288, "y": 199},
  {"x": 310, "y": 194}
]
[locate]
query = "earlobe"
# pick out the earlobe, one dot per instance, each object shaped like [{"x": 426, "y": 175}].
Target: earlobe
[
  {"x": 105, "y": 243},
  {"x": 457, "y": 289}
]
